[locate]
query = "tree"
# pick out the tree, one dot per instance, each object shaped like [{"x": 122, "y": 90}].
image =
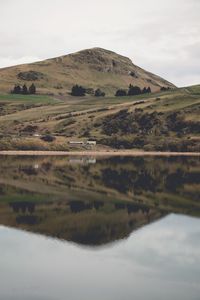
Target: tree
[
  {"x": 78, "y": 90},
  {"x": 144, "y": 91},
  {"x": 164, "y": 89},
  {"x": 121, "y": 93},
  {"x": 24, "y": 90},
  {"x": 99, "y": 93},
  {"x": 134, "y": 90},
  {"x": 32, "y": 89},
  {"x": 149, "y": 90},
  {"x": 17, "y": 89}
]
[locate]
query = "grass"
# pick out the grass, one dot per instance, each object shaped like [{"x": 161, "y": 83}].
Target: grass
[
  {"x": 195, "y": 89},
  {"x": 25, "y": 98},
  {"x": 26, "y": 197}
]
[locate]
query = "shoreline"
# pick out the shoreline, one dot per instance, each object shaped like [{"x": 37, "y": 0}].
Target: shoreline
[{"x": 96, "y": 153}]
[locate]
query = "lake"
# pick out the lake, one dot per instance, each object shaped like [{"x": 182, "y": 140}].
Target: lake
[{"x": 93, "y": 229}]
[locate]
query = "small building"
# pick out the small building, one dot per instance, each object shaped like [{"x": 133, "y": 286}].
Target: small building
[
  {"x": 92, "y": 143},
  {"x": 83, "y": 143},
  {"x": 37, "y": 135},
  {"x": 76, "y": 143}
]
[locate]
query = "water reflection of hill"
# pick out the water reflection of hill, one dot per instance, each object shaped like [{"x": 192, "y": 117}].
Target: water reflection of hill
[
  {"x": 98, "y": 203},
  {"x": 83, "y": 222}
]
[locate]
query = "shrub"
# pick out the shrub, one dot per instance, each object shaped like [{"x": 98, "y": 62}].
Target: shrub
[
  {"x": 121, "y": 93},
  {"x": 24, "y": 90},
  {"x": 48, "y": 138},
  {"x": 164, "y": 89},
  {"x": 30, "y": 76},
  {"x": 99, "y": 93},
  {"x": 149, "y": 90},
  {"x": 17, "y": 89},
  {"x": 32, "y": 89},
  {"x": 134, "y": 90},
  {"x": 78, "y": 90}
]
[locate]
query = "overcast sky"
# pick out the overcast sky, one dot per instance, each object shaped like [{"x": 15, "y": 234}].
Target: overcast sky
[{"x": 158, "y": 35}]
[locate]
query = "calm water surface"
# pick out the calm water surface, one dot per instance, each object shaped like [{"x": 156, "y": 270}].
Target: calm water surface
[{"x": 125, "y": 228}]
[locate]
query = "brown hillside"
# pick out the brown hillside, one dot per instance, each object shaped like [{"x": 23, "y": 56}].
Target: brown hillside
[{"x": 92, "y": 68}]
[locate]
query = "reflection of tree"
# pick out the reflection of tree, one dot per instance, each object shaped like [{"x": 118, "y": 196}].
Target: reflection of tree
[
  {"x": 124, "y": 180},
  {"x": 23, "y": 206},
  {"x": 120, "y": 206},
  {"x": 29, "y": 220},
  {"x": 132, "y": 208},
  {"x": 79, "y": 206},
  {"x": 98, "y": 204},
  {"x": 175, "y": 180},
  {"x": 2, "y": 190},
  {"x": 135, "y": 208},
  {"x": 149, "y": 175}
]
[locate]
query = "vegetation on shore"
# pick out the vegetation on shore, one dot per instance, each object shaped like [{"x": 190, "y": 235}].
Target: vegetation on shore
[{"x": 165, "y": 121}]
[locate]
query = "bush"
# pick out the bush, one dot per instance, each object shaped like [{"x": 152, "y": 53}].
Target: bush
[
  {"x": 134, "y": 90},
  {"x": 48, "y": 138},
  {"x": 32, "y": 89},
  {"x": 24, "y": 90},
  {"x": 30, "y": 76},
  {"x": 121, "y": 93},
  {"x": 164, "y": 89},
  {"x": 17, "y": 90},
  {"x": 99, "y": 93},
  {"x": 78, "y": 90}
]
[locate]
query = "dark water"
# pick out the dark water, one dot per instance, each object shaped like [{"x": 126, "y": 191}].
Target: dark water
[{"x": 115, "y": 228}]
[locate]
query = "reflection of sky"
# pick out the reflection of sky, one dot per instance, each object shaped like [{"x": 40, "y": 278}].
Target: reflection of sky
[{"x": 159, "y": 262}]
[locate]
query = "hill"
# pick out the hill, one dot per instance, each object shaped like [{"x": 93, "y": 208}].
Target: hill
[
  {"x": 164, "y": 121},
  {"x": 92, "y": 68}
]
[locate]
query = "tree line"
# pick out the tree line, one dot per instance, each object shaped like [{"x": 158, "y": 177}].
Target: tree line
[
  {"x": 80, "y": 91},
  {"x": 132, "y": 91},
  {"x": 24, "y": 90}
]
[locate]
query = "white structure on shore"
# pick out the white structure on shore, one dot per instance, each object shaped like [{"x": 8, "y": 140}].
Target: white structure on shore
[
  {"x": 91, "y": 143},
  {"x": 76, "y": 143}
]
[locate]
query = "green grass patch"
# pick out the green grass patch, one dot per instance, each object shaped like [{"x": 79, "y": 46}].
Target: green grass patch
[
  {"x": 26, "y": 197},
  {"x": 27, "y": 98},
  {"x": 195, "y": 89}
]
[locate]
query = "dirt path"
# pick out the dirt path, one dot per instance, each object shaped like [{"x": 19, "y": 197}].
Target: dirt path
[{"x": 98, "y": 153}]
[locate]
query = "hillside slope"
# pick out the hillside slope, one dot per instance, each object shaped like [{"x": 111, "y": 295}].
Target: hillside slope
[
  {"x": 92, "y": 68},
  {"x": 167, "y": 121}
]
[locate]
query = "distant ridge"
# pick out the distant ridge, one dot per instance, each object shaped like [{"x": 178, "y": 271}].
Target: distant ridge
[{"x": 92, "y": 68}]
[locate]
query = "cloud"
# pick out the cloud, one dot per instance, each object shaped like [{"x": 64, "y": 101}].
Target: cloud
[{"x": 161, "y": 36}]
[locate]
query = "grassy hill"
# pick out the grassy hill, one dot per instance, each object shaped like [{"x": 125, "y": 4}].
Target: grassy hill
[
  {"x": 156, "y": 121},
  {"x": 92, "y": 68}
]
